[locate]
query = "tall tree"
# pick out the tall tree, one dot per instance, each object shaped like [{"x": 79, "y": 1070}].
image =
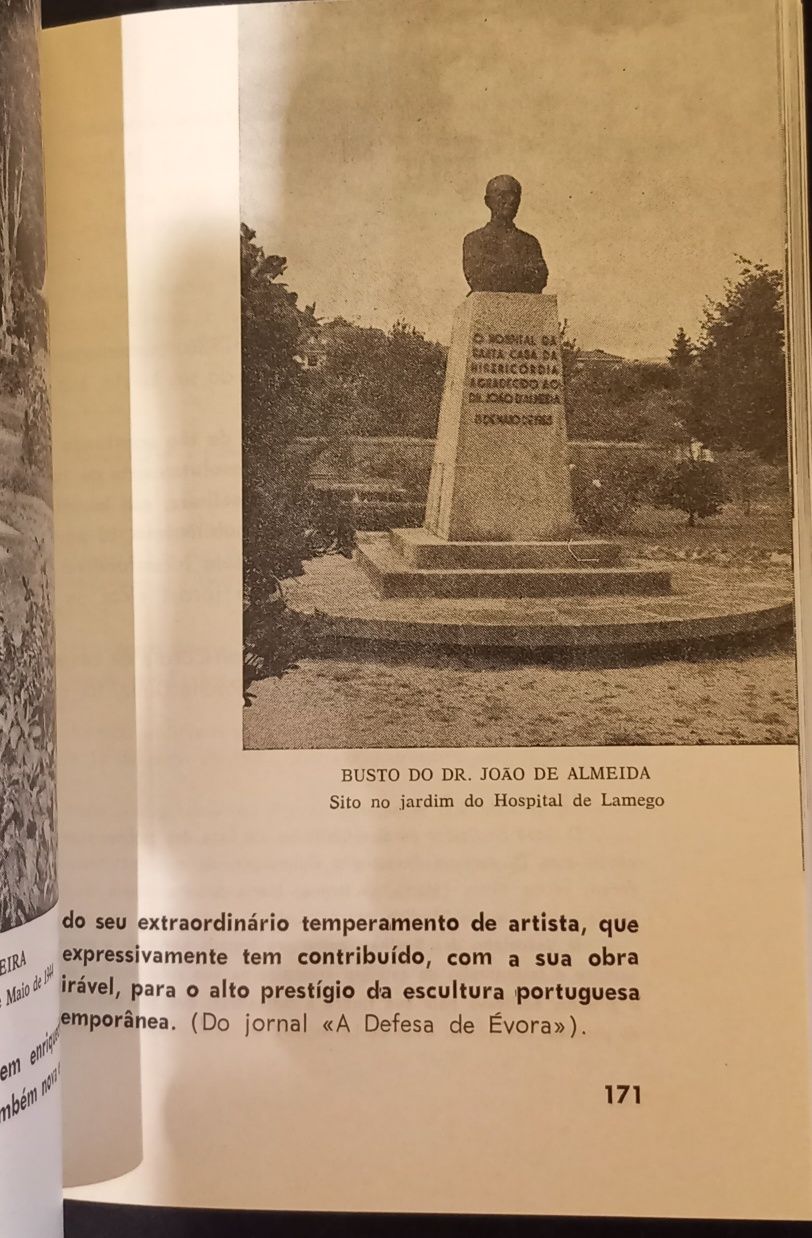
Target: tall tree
[
  {"x": 378, "y": 382},
  {"x": 12, "y": 174},
  {"x": 22, "y": 249},
  {"x": 570, "y": 353},
  {"x": 682, "y": 352},
  {"x": 274, "y": 329},
  {"x": 738, "y": 385},
  {"x": 631, "y": 401}
]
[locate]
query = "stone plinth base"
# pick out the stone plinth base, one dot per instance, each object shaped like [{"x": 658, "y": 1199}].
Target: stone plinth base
[
  {"x": 393, "y": 575},
  {"x": 419, "y": 548},
  {"x": 501, "y": 469},
  {"x": 707, "y": 603}
]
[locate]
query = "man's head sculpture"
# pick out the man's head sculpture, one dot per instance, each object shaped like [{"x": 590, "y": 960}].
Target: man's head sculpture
[
  {"x": 502, "y": 197},
  {"x": 500, "y": 257}
]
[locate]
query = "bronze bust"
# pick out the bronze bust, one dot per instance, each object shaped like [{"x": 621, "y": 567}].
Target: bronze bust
[{"x": 500, "y": 257}]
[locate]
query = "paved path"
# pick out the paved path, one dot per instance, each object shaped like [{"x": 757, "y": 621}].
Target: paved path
[{"x": 707, "y": 601}]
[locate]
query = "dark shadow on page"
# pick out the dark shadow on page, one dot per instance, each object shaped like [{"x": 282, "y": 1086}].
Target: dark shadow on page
[
  {"x": 190, "y": 819},
  {"x": 103, "y": 1220},
  {"x": 68, "y": 12}
]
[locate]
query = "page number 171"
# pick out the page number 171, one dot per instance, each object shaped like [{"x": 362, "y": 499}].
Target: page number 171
[{"x": 622, "y": 1093}]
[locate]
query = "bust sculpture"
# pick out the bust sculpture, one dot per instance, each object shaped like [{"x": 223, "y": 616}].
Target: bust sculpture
[{"x": 500, "y": 257}]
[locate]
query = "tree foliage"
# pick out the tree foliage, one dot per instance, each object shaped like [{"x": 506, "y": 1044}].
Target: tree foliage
[
  {"x": 570, "y": 352},
  {"x": 738, "y": 384},
  {"x": 682, "y": 353},
  {"x": 283, "y": 522},
  {"x": 22, "y": 230},
  {"x": 274, "y": 393},
  {"x": 695, "y": 487},
  {"x": 374, "y": 382},
  {"x": 274, "y": 480},
  {"x": 627, "y": 402},
  {"x": 28, "y": 884},
  {"x": 604, "y": 498}
]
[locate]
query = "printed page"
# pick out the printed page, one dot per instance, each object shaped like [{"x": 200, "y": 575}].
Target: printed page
[
  {"x": 458, "y": 380},
  {"x": 30, "y": 1146}
]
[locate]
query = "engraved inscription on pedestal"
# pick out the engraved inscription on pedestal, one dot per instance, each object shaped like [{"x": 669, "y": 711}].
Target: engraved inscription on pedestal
[{"x": 500, "y": 470}]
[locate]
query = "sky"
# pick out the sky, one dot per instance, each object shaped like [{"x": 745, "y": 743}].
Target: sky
[{"x": 646, "y": 135}]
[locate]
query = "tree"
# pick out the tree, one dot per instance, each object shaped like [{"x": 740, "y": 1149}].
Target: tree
[
  {"x": 683, "y": 351},
  {"x": 738, "y": 384},
  {"x": 695, "y": 487},
  {"x": 627, "y": 402},
  {"x": 283, "y": 524},
  {"x": 12, "y": 174},
  {"x": 377, "y": 382},
  {"x": 22, "y": 232},
  {"x": 275, "y": 403},
  {"x": 570, "y": 353},
  {"x": 414, "y": 378},
  {"x": 274, "y": 481}
]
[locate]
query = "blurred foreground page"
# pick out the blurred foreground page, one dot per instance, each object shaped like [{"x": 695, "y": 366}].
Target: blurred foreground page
[
  {"x": 30, "y": 1071},
  {"x": 87, "y": 285}
]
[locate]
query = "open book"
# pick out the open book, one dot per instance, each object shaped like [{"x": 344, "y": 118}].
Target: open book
[{"x": 411, "y": 638}]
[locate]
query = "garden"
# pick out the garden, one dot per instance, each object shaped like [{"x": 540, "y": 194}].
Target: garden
[{"x": 682, "y": 460}]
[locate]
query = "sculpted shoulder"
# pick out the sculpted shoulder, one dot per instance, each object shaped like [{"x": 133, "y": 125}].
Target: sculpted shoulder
[
  {"x": 488, "y": 234},
  {"x": 478, "y": 236},
  {"x": 527, "y": 239}
]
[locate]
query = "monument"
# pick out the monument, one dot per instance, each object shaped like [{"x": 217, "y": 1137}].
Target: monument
[
  {"x": 501, "y": 472},
  {"x": 499, "y": 519},
  {"x": 500, "y": 562}
]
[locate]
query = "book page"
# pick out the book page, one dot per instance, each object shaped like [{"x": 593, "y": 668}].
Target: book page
[
  {"x": 83, "y": 135},
  {"x": 470, "y": 847},
  {"x": 30, "y": 1147}
]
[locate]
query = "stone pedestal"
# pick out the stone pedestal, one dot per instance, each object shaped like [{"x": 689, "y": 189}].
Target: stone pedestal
[
  {"x": 499, "y": 521},
  {"x": 500, "y": 471}
]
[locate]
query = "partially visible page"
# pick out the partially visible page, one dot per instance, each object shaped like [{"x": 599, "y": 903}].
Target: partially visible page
[
  {"x": 30, "y": 1145},
  {"x": 83, "y": 140}
]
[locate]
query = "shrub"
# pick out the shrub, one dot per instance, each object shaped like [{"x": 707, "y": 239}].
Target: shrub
[
  {"x": 694, "y": 486},
  {"x": 36, "y": 438},
  {"x": 273, "y": 640},
  {"x": 330, "y": 529},
  {"x": 284, "y": 524},
  {"x": 604, "y": 498},
  {"x": 748, "y": 480},
  {"x": 13, "y": 372},
  {"x": 27, "y": 762}
]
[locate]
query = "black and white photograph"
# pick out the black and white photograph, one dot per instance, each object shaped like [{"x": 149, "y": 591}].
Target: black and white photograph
[
  {"x": 515, "y": 418},
  {"x": 28, "y": 885}
]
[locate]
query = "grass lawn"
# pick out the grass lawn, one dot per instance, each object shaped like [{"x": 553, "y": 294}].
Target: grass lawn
[{"x": 447, "y": 700}]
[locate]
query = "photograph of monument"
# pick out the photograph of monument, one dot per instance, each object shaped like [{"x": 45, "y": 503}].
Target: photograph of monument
[{"x": 514, "y": 473}]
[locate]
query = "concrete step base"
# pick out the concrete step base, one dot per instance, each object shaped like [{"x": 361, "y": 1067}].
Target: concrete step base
[
  {"x": 345, "y": 612},
  {"x": 421, "y": 549},
  {"x": 392, "y": 576}
]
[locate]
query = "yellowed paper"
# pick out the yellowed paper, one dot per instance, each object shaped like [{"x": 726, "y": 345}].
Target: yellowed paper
[{"x": 278, "y": 1073}]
